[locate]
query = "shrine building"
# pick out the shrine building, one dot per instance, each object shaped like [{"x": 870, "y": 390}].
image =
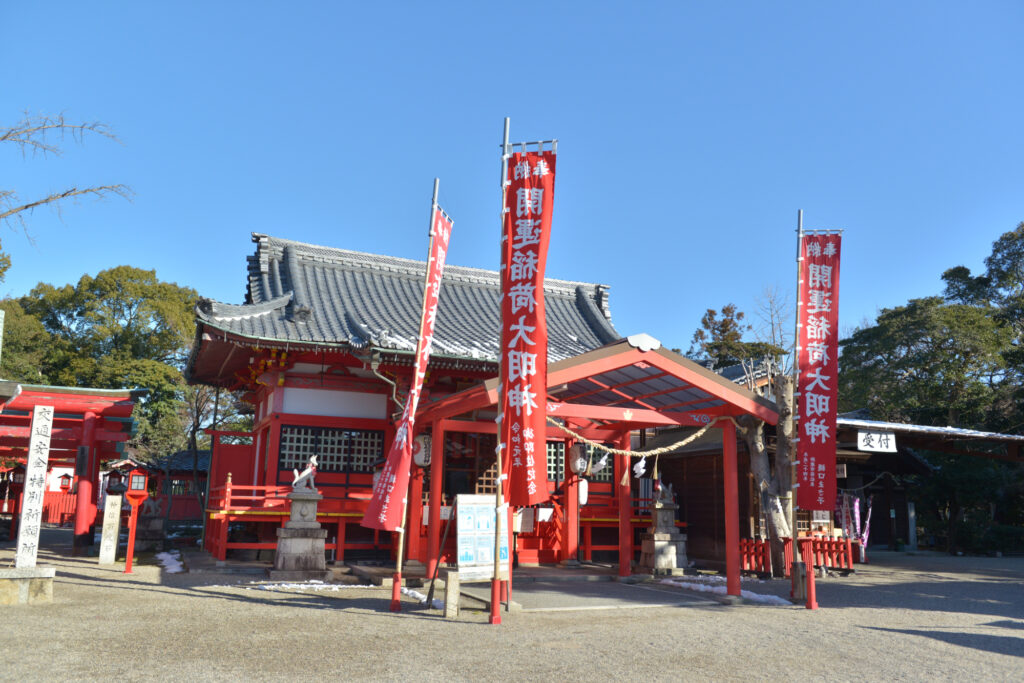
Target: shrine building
[{"x": 323, "y": 350}]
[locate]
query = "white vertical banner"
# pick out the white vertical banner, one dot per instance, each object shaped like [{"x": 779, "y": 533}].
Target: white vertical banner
[{"x": 35, "y": 487}]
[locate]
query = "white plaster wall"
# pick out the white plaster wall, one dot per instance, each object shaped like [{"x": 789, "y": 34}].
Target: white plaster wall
[{"x": 328, "y": 403}]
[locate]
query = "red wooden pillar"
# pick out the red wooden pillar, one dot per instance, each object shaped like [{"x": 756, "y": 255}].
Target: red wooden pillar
[
  {"x": 413, "y": 540},
  {"x": 84, "y": 497},
  {"x": 436, "y": 481},
  {"x": 625, "y": 501},
  {"x": 571, "y": 542},
  {"x": 732, "y": 509}
]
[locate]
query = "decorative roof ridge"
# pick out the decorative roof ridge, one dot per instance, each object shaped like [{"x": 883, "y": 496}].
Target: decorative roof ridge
[
  {"x": 209, "y": 308},
  {"x": 396, "y": 264}
]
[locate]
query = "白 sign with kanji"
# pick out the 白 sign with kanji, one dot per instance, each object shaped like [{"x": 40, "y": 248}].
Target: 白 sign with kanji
[{"x": 38, "y": 459}]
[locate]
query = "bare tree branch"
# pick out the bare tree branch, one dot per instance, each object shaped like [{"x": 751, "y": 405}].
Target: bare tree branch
[
  {"x": 30, "y": 134},
  {"x": 9, "y": 212}
]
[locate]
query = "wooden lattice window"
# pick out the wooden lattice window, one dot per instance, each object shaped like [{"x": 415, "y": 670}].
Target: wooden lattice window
[
  {"x": 337, "y": 450},
  {"x": 556, "y": 462}
]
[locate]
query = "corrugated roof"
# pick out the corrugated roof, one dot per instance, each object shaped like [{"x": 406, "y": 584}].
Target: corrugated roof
[
  {"x": 309, "y": 294},
  {"x": 947, "y": 432}
]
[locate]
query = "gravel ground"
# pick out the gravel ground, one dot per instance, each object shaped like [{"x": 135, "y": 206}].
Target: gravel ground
[{"x": 922, "y": 617}]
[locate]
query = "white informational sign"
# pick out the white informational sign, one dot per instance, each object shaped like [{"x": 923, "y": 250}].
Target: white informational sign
[
  {"x": 820, "y": 517},
  {"x": 475, "y": 537},
  {"x": 877, "y": 441},
  {"x": 38, "y": 459}
]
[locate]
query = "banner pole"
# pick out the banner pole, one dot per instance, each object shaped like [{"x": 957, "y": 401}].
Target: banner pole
[
  {"x": 499, "y": 497},
  {"x": 396, "y": 582},
  {"x": 796, "y": 385}
]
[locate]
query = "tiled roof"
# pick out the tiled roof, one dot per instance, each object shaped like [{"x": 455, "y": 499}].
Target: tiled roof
[{"x": 306, "y": 294}]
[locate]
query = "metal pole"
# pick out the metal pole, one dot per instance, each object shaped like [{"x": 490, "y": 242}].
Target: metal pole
[
  {"x": 499, "y": 497},
  {"x": 796, "y": 385},
  {"x": 396, "y": 583}
]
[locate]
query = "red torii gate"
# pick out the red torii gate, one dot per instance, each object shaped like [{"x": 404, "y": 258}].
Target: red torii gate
[
  {"x": 604, "y": 395},
  {"x": 90, "y": 426}
]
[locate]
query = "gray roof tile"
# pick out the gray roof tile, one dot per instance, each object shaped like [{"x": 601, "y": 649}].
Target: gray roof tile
[{"x": 304, "y": 293}]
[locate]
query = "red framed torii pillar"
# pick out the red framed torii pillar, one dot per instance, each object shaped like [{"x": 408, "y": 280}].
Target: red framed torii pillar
[{"x": 85, "y": 498}]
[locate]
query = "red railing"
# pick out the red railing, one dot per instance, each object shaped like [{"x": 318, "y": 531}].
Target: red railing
[
  {"x": 270, "y": 505},
  {"x": 755, "y": 556},
  {"x": 834, "y": 553}
]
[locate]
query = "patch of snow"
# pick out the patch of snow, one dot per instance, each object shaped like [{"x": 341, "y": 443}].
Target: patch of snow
[
  {"x": 416, "y": 595},
  {"x": 171, "y": 562},
  {"x": 312, "y": 585},
  {"x": 719, "y": 588}
]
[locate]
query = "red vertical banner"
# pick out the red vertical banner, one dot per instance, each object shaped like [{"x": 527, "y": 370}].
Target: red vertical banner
[
  {"x": 387, "y": 502},
  {"x": 818, "y": 367},
  {"x": 529, "y": 198}
]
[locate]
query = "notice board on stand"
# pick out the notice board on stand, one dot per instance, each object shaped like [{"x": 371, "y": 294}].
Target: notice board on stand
[{"x": 475, "y": 527}]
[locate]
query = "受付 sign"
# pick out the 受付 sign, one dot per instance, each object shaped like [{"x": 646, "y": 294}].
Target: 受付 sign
[{"x": 876, "y": 441}]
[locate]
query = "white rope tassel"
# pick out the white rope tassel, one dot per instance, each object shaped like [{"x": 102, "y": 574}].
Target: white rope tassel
[{"x": 639, "y": 466}]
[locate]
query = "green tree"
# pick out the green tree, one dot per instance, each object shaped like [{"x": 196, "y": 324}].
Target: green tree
[
  {"x": 1000, "y": 290},
  {"x": 25, "y": 343},
  {"x": 121, "y": 328},
  {"x": 720, "y": 339},
  {"x": 929, "y": 362}
]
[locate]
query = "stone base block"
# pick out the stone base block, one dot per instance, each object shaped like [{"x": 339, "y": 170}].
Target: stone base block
[
  {"x": 661, "y": 553},
  {"x": 27, "y": 586},
  {"x": 299, "y": 575}
]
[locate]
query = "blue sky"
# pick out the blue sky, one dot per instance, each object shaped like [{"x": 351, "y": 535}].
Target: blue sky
[{"x": 689, "y": 135}]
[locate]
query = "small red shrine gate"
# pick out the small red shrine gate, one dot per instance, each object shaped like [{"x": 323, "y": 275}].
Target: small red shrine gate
[
  {"x": 603, "y": 396},
  {"x": 90, "y": 426}
]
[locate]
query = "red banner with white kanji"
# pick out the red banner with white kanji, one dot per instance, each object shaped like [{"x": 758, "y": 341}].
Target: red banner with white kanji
[
  {"x": 818, "y": 366},
  {"x": 529, "y": 199},
  {"x": 387, "y": 503}
]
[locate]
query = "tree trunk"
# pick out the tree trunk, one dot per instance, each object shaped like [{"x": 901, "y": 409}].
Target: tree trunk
[
  {"x": 777, "y": 522},
  {"x": 784, "y": 451}
]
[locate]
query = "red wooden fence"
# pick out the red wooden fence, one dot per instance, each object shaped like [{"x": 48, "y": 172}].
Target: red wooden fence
[{"x": 819, "y": 552}]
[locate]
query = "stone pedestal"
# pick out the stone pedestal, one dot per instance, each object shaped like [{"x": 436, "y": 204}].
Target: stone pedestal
[
  {"x": 31, "y": 586},
  {"x": 663, "y": 548},
  {"x": 149, "y": 534},
  {"x": 301, "y": 542}
]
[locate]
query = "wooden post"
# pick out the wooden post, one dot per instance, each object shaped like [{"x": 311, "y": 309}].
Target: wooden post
[
  {"x": 571, "y": 544},
  {"x": 732, "y": 509},
  {"x": 132, "y": 523},
  {"x": 625, "y": 511},
  {"x": 415, "y": 539},
  {"x": 434, "y": 548}
]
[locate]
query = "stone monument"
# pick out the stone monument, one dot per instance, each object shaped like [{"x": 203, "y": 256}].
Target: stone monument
[
  {"x": 301, "y": 542},
  {"x": 663, "y": 548},
  {"x": 111, "y": 523},
  {"x": 26, "y": 583}
]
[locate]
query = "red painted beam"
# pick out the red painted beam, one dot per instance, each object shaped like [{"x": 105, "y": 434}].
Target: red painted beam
[
  {"x": 697, "y": 418},
  {"x": 72, "y": 434},
  {"x": 74, "y": 403}
]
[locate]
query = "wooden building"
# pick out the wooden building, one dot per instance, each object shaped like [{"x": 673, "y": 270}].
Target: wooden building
[{"x": 322, "y": 348}]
